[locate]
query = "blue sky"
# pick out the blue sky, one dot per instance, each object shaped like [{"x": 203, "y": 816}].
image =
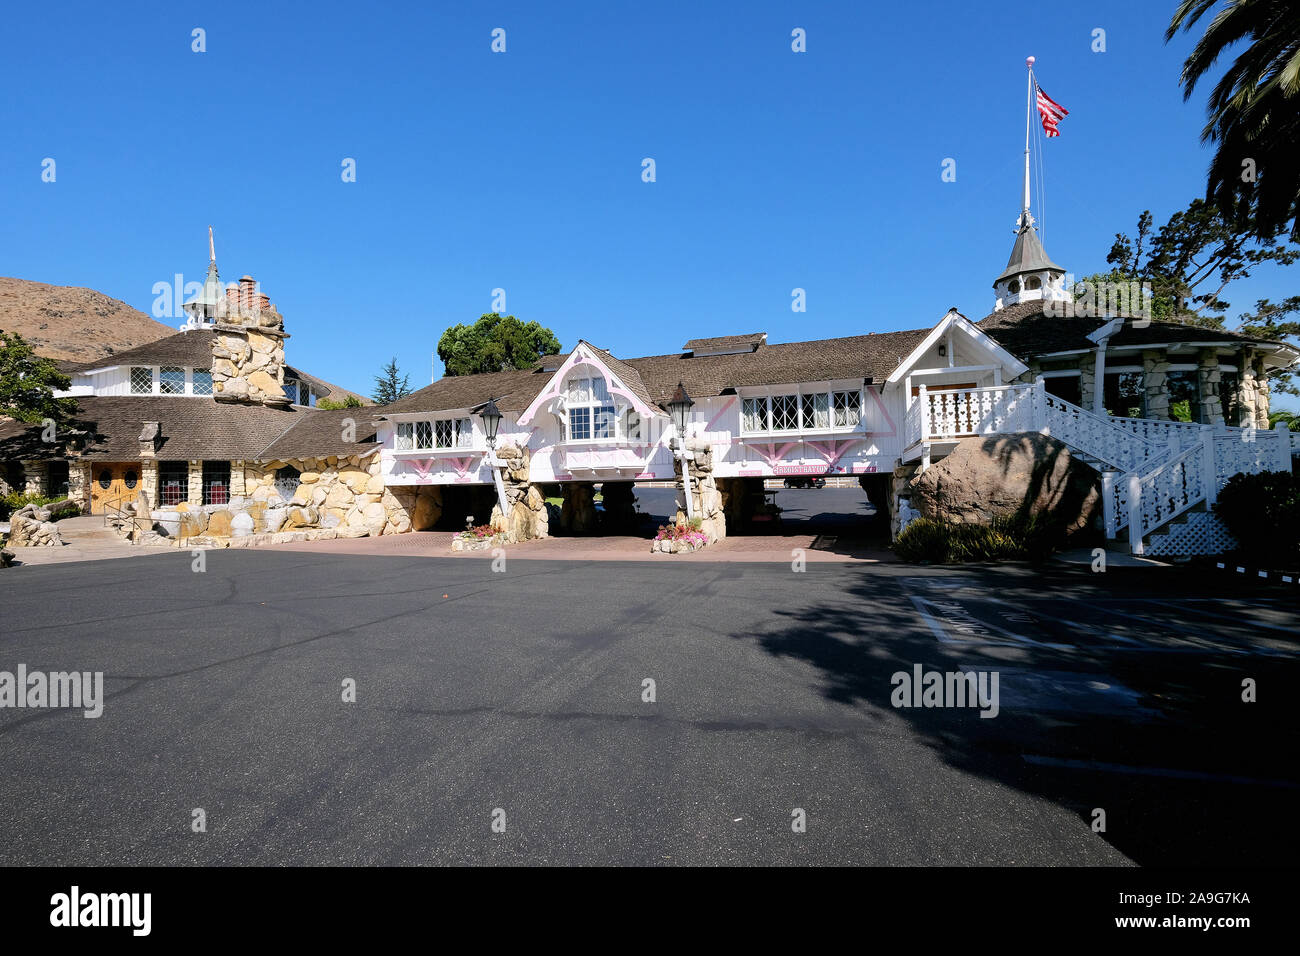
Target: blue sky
[{"x": 522, "y": 170}]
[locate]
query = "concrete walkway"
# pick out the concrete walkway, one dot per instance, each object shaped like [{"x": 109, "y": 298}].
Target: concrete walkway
[{"x": 85, "y": 539}]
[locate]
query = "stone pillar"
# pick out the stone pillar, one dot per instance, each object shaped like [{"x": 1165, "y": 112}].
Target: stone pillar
[
  {"x": 1155, "y": 366},
  {"x": 238, "y": 479},
  {"x": 34, "y": 478},
  {"x": 1254, "y": 390},
  {"x": 1207, "y": 381},
  {"x": 578, "y": 514},
  {"x": 1088, "y": 380},
  {"x": 706, "y": 499},
  {"x": 196, "y": 484},
  {"x": 526, "y": 516},
  {"x": 902, "y": 479},
  {"x": 79, "y": 484},
  {"x": 149, "y": 478}
]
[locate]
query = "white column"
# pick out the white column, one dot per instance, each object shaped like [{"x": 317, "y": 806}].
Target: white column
[
  {"x": 1099, "y": 380},
  {"x": 1134, "y": 512},
  {"x": 925, "y": 412},
  {"x": 1284, "y": 446},
  {"x": 1108, "y": 502}
]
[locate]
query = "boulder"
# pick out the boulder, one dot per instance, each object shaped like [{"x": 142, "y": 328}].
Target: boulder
[
  {"x": 241, "y": 525},
  {"x": 274, "y": 518},
  {"x": 219, "y": 524},
  {"x": 168, "y": 522},
  {"x": 997, "y": 476}
]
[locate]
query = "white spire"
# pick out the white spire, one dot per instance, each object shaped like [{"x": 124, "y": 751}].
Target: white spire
[{"x": 212, "y": 249}]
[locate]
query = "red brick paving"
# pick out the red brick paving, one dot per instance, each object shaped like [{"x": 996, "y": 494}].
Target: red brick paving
[{"x": 755, "y": 548}]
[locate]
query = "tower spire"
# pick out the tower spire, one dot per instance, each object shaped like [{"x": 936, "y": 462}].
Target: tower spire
[
  {"x": 1030, "y": 275},
  {"x": 212, "y": 249}
]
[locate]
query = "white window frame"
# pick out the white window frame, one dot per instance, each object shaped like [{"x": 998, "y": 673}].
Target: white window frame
[
  {"x": 130, "y": 379},
  {"x": 591, "y": 402},
  {"x": 427, "y": 434},
  {"x": 766, "y": 407}
]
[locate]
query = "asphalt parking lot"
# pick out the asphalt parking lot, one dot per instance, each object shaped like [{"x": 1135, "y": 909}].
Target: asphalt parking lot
[{"x": 518, "y": 696}]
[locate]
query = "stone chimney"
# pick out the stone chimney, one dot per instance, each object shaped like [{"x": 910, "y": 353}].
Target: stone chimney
[
  {"x": 150, "y": 439},
  {"x": 248, "y": 349}
]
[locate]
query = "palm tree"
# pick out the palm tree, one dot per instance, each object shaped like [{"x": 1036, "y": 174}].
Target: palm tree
[
  {"x": 1254, "y": 109},
  {"x": 1282, "y": 416}
]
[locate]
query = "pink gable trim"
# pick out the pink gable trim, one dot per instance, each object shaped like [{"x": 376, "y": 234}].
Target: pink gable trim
[{"x": 556, "y": 385}]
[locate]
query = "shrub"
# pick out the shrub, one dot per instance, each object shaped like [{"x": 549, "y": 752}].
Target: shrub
[
  {"x": 1018, "y": 537},
  {"x": 19, "y": 499},
  {"x": 1263, "y": 512}
]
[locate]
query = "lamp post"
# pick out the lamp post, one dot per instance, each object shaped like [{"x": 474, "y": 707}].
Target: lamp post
[
  {"x": 491, "y": 418},
  {"x": 679, "y": 407}
]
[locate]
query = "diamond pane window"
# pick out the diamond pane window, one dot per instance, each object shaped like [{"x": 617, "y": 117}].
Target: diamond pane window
[
  {"x": 442, "y": 433},
  {"x": 405, "y": 436},
  {"x": 464, "y": 433},
  {"x": 754, "y": 415},
  {"x": 424, "y": 434},
  {"x": 171, "y": 380},
  {"x": 817, "y": 411},
  {"x": 848, "y": 409},
  {"x": 141, "y": 381},
  {"x": 785, "y": 412},
  {"x": 202, "y": 382}
]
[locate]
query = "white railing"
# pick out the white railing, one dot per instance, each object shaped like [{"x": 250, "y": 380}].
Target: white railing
[
  {"x": 1152, "y": 471},
  {"x": 1177, "y": 434}
]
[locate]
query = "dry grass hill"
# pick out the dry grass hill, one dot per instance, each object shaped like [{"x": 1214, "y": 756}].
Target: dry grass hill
[{"x": 67, "y": 322}]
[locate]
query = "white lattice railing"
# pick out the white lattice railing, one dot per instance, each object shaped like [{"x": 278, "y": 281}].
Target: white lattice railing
[
  {"x": 1177, "y": 434},
  {"x": 1096, "y": 435}
]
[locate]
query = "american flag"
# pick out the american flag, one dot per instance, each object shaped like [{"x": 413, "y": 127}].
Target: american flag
[{"x": 1051, "y": 112}]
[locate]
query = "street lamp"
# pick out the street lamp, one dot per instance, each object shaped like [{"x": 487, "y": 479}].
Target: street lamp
[
  {"x": 679, "y": 406},
  {"x": 491, "y": 416}
]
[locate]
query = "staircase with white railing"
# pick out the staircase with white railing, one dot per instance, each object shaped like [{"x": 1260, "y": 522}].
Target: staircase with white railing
[{"x": 1152, "y": 471}]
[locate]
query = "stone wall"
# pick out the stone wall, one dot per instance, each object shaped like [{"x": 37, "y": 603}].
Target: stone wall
[
  {"x": 347, "y": 493},
  {"x": 1207, "y": 385}
]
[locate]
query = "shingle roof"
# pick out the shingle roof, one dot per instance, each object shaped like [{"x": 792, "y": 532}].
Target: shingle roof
[
  {"x": 1027, "y": 255},
  {"x": 1026, "y": 330},
  {"x": 193, "y": 347},
  {"x": 197, "y": 428},
  {"x": 858, "y": 356},
  {"x": 750, "y": 340}
]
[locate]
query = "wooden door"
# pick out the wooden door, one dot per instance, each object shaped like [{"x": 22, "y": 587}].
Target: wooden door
[{"x": 113, "y": 483}]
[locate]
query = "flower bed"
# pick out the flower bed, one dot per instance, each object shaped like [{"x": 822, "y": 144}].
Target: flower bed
[
  {"x": 479, "y": 538},
  {"x": 679, "y": 539}
]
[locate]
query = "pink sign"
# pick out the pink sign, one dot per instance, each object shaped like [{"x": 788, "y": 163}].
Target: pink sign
[
  {"x": 864, "y": 469},
  {"x": 798, "y": 469},
  {"x": 751, "y": 473}
]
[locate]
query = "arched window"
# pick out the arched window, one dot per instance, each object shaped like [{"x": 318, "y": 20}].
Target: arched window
[
  {"x": 1033, "y": 282},
  {"x": 1014, "y": 287},
  {"x": 287, "y": 480}
]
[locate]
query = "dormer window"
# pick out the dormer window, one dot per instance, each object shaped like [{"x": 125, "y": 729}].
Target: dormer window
[
  {"x": 141, "y": 381},
  {"x": 445, "y": 433},
  {"x": 590, "y": 410},
  {"x": 202, "y": 382}
]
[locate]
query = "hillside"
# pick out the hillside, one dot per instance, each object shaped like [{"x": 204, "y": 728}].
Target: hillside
[{"x": 67, "y": 322}]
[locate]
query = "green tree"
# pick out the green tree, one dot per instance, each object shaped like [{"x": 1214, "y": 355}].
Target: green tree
[
  {"x": 1253, "y": 111},
  {"x": 1276, "y": 321},
  {"x": 28, "y": 383},
  {"x": 1192, "y": 260},
  {"x": 330, "y": 405},
  {"x": 495, "y": 343},
  {"x": 390, "y": 384}
]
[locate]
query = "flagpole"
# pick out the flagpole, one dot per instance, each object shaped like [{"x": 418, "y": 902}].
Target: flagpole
[{"x": 1029, "y": 106}]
